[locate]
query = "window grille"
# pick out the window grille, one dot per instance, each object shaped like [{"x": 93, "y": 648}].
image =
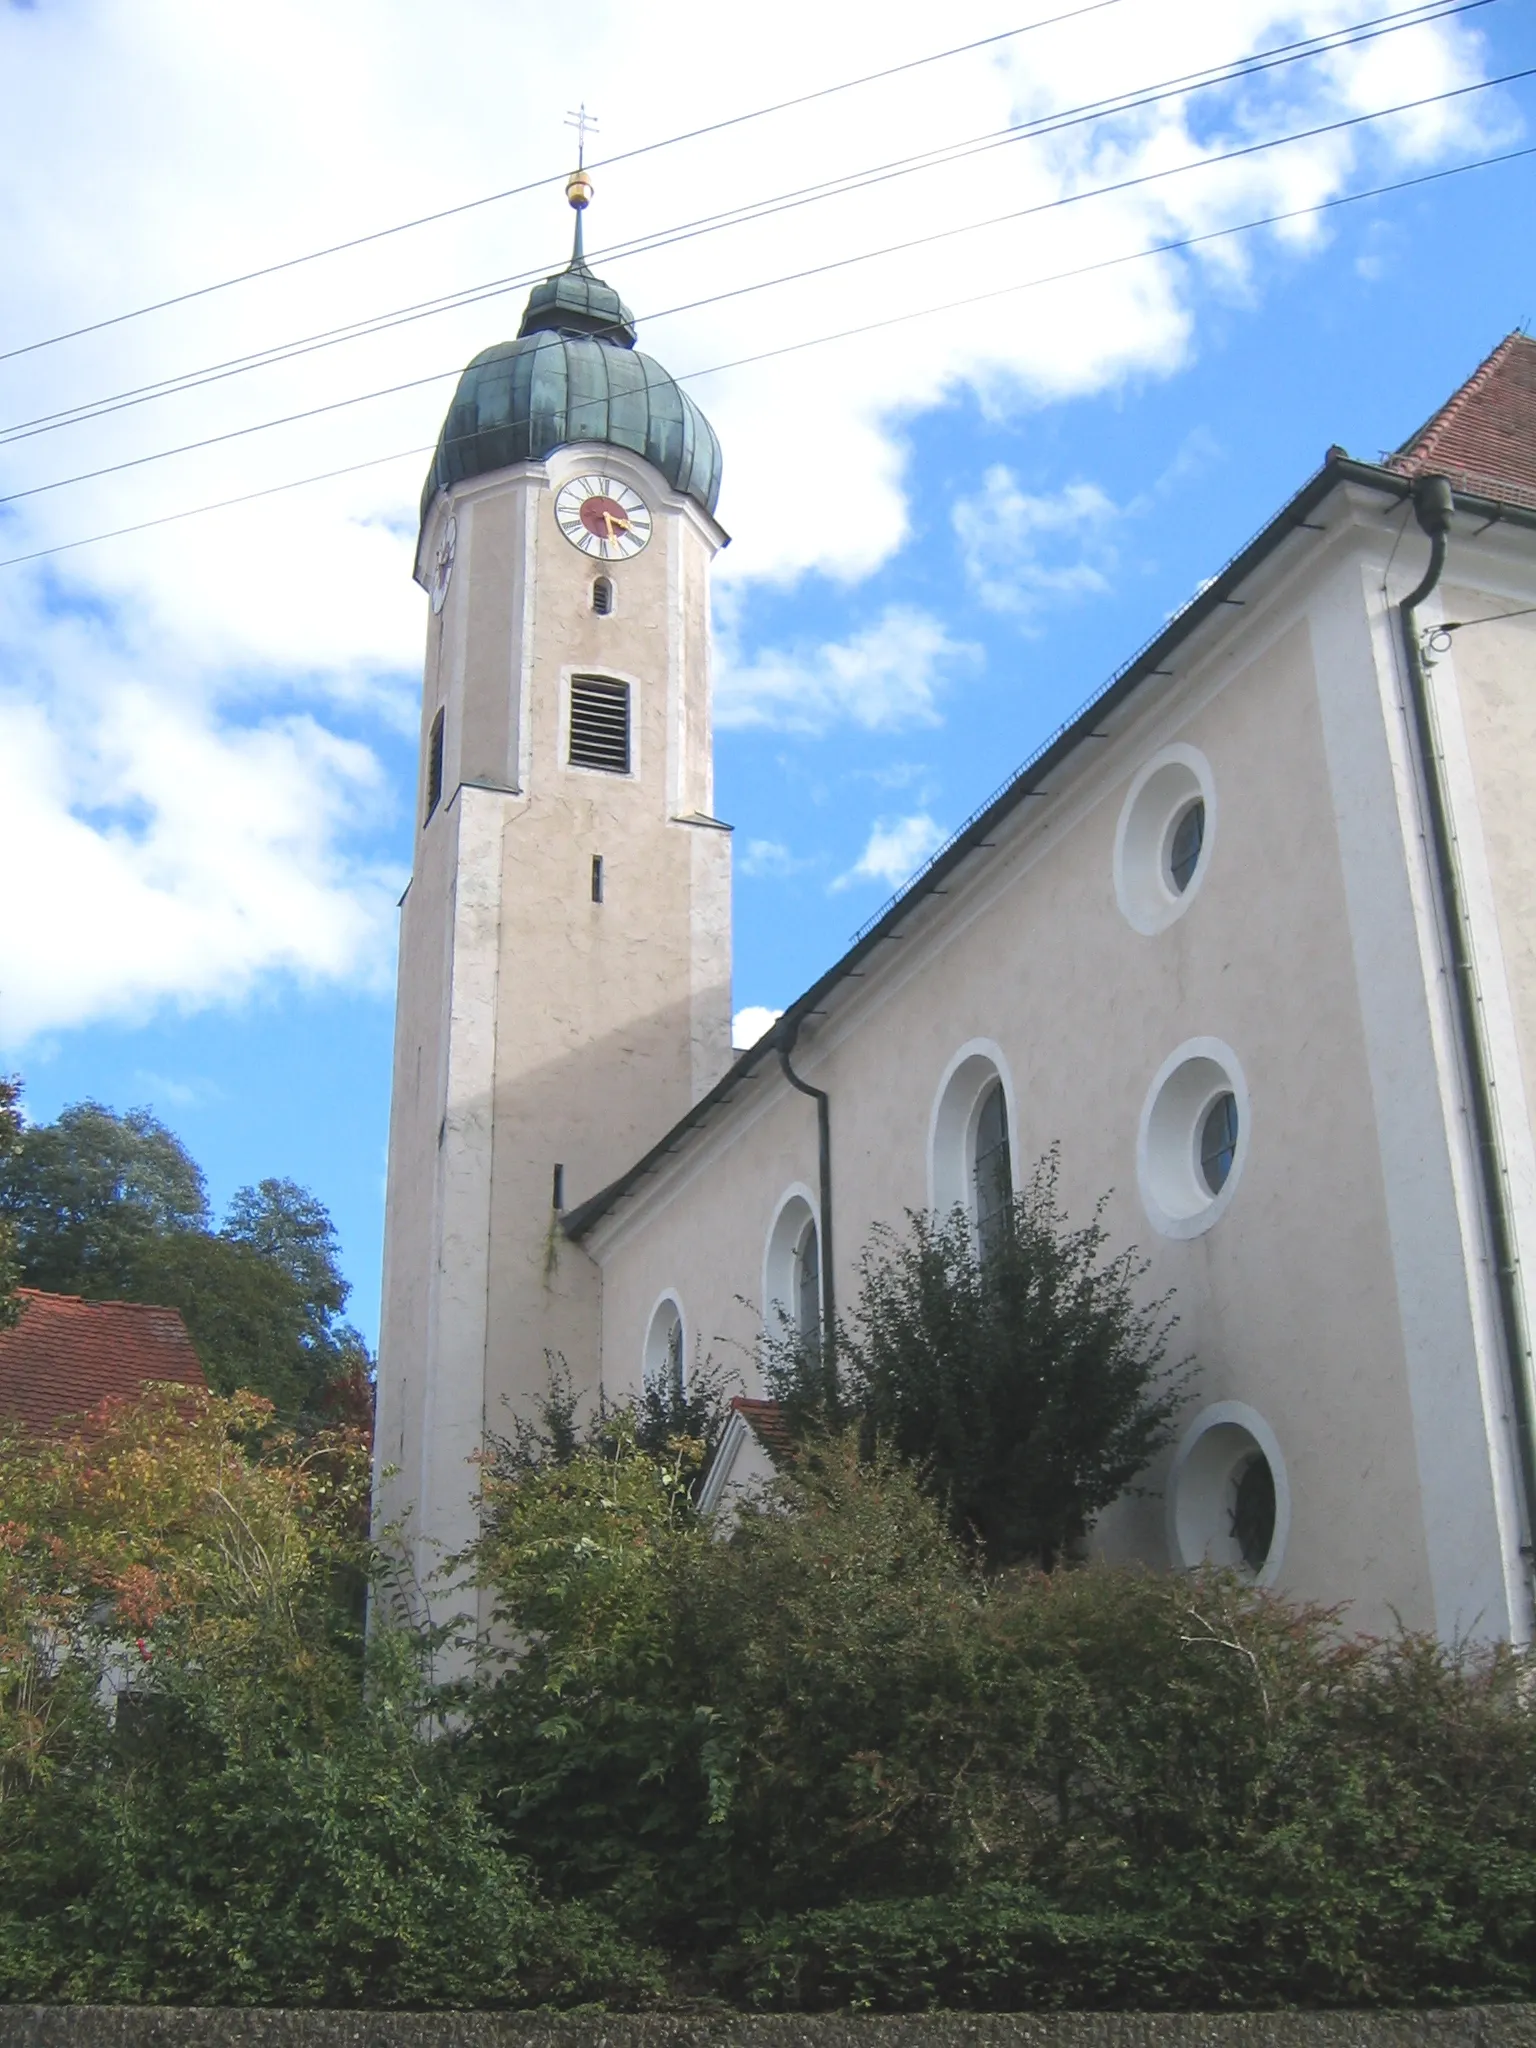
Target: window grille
[
  {"x": 434, "y": 767},
  {"x": 599, "y": 724},
  {"x": 602, "y": 595}
]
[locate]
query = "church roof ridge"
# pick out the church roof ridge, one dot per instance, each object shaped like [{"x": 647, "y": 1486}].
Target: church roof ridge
[{"x": 1146, "y": 663}]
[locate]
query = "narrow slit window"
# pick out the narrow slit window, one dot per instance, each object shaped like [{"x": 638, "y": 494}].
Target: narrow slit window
[
  {"x": 597, "y": 878},
  {"x": 602, "y": 595},
  {"x": 599, "y": 736},
  {"x": 434, "y": 767}
]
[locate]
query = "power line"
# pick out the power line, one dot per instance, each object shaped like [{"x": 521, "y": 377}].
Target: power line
[
  {"x": 1170, "y": 248},
  {"x": 798, "y": 276},
  {"x": 1043, "y": 125},
  {"x": 537, "y": 184},
  {"x": 821, "y": 340},
  {"x": 64, "y": 547}
]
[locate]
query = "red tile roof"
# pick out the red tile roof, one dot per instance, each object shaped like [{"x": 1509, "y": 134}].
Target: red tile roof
[
  {"x": 766, "y": 1421},
  {"x": 65, "y": 1355},
  {"x": 1484, "y": 438}
]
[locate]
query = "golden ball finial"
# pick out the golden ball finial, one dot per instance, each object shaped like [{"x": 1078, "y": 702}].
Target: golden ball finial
[{"x": 578, "y": 190}]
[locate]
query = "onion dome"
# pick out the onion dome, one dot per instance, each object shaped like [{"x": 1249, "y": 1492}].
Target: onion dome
[{"x": 574, "y": 374}]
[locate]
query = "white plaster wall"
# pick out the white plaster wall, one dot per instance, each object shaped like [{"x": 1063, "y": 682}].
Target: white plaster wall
[{"x": 1303, "y": 1299}]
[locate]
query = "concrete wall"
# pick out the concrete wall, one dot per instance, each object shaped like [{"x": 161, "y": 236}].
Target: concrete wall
[
  {"x": 1511, "y": 2026},
  {"x": 1306, "y": 1299}
]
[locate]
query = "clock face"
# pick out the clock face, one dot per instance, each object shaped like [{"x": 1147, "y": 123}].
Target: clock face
[
  {"x": 442, "y": 563},
  {"x": 603, "y": 517}
]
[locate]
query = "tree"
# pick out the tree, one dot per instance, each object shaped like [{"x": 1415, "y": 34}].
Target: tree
[
  {"x": 289, "y": 1226},
  {"x": 1023, "y": 1378},
  {"x": 10, "y": 1139},
  {"x": 85, "y": 1193},
  {"x": 114, "y": 1208}
]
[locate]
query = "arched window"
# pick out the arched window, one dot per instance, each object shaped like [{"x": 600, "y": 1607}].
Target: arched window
[
  {"x": 665, "y": 1359},
  {"x": 602, "y": 595},
  {"x": 992, "y": 1166},
  {"x": 971, "y": 1160},
  {"x": 792, "y": 1272},
  {"x": 807, "y": 1257}
]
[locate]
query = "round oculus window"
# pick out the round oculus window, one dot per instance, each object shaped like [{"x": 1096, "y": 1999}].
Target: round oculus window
[
  {"x": 1163, "y": 841},
  {"x": 1193, "y": 1138},
  {"x": 1229, "y": 1499}
]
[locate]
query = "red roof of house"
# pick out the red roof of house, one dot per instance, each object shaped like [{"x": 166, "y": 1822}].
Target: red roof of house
[
  {"x": 766, "y": 1421},
  {"x": 1484, "y": 438},
  {"x": 65, "y": 1355}
]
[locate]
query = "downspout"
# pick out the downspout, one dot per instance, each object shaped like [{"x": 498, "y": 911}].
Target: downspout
[
  {"x": 824, "y": 1165},
  {"x": 1434, "y": 504}
]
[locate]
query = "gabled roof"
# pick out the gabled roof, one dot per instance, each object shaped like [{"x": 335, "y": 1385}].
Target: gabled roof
[
  {"x": 766, "y": 1421},
  {"x": 763, "y": 1420},
  {"x": 1484, "y": 439},
  {"x": 66, "y": 1355},
  {"x": 1491, "y": 420}
]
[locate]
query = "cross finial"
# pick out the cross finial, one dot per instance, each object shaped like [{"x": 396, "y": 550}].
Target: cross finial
[{"x": 585, "y": 124}]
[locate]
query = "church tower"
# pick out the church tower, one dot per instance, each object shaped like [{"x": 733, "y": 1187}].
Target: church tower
[{"x": 564, "y": 982}]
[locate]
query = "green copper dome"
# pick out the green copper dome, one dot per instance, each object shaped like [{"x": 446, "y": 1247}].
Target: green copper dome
[{"x": 573, "y": 374}]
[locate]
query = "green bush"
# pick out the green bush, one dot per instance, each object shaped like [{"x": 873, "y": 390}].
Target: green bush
[
  {"x": 835, "y": 1757},
  {"x": 826, "y": 1762},
  {"x": 996, "y": 1949},
  {"x": 191, "y": 1856}
]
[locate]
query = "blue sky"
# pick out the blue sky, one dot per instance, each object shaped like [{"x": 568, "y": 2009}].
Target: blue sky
[{"x": 946, "y": 534}]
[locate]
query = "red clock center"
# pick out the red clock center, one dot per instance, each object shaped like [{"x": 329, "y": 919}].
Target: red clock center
[{"x": 605, "y": 517}]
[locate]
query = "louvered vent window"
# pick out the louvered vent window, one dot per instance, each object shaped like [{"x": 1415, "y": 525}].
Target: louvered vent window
[
  {"x": 599, "y": 724},
  {"x": 434, "y": 767},
  {"x": 602, "y": 596}
]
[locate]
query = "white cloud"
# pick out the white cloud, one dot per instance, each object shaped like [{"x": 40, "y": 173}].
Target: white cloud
[
  {"x": 158, "y": 1088},
  {"x": 150, "y": 146},
  {"x": 1021, "y": 551},
  {"x": 887, "y": 676},
  {"x": 157, "y": 847},
  {"x": 895, "y": 849},
  {"x": 749, "y": 1024},
  {"x": 769, "y": 857}
]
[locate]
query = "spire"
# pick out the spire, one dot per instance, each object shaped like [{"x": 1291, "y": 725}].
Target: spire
[
  {"x": 573, "y": 301},
  {"x": 578, "y": 186},
  {"x": 578, "y": 190}
]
